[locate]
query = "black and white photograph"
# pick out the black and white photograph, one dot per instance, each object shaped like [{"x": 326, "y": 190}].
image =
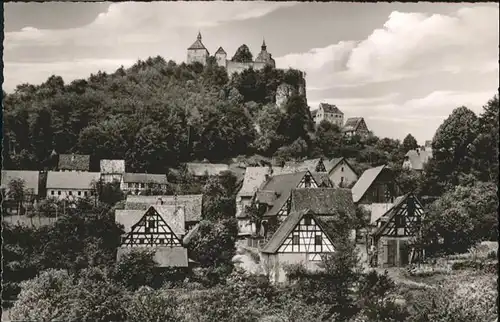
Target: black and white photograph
[{"x": 250, "y": 161}]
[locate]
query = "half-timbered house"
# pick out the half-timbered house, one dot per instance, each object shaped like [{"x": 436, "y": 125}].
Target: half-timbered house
[
  {"x": 355, "y": 126},
  {"x": 112, "y": 170},
  {"x": 340, "y": 172},
  {"x": 376, "y": 185},
  {"x": 192, "y": 205},
  {"x": 303, "y": 238},
  {"x": 396, "y": 231},
  {"x": 159, "y": 228},
  {"x": 138, "y": 183}
]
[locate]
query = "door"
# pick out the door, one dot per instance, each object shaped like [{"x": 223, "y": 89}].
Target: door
[
  {"x": 404, "y": 253},
  {"x": 391, "y": 252}
]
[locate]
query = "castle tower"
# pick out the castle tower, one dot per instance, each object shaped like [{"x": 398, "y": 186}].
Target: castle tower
[
  {"x": 264, "y": 56},
  {"x": 197, "y": 52},
  {"x": 221, "y": 57}
]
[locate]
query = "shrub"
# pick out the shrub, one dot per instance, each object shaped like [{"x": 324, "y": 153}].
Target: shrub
[
  {"x": 147, "y": 304},
  {"x": 135, "y": 269}
]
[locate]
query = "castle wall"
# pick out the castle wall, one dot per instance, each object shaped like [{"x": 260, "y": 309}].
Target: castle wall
[
  {"x": 237, "y": 67},
  {"x": 197, "y": 55},
  {"x": 221, "y": 60}
]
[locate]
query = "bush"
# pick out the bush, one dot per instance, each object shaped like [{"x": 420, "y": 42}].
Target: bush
[{"x": 135, "y": 269}]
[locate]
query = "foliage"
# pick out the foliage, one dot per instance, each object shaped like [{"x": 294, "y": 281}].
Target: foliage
[
  {"x": 242, "y": 55},
  {"x": 56, "y": 295},
  {"x": 149, "y": 305},
  {"x": 213, "y": 246},
  {"x": 463, "y": 216},
  {"x": 109, "y": 192},
  {"x": 409, "y": 143},
  {"x": 135, "y": 269}
]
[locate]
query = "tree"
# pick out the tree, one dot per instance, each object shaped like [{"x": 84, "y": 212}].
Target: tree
[
  {"x": 135, "y": 269},
  {"x": 327, "y": 139},
  {"x": 242, "y": 55},
  {"x": 463, "y": 217},
  {"x": 409, "y": 143},
  {"x": 213, "y": 245},
  {"x": 451, "y": 146},
  {"x": 16, "y": 192},
  {"x": 149, "y": 305},
  {"x": 485, "y": 145}
]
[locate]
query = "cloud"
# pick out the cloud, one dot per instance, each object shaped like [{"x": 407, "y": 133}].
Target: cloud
[
  {"x": 408, "y": 45},
  {"x": 126, "y": 31}
]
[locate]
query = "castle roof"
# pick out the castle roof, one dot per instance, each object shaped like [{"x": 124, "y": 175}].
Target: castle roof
[
  {"x": 197, "y": 44},
  {"x": 352, "y": 124},
  {"x": 220, "y": 51},
  {"x": 328, "y": 108}
]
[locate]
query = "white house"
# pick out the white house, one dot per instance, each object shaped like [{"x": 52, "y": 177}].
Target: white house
[
  {"x": 340, "y": 172},
  {"x": 71, "y": 185}
]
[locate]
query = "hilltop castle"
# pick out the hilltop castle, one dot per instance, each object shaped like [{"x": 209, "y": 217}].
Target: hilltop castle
[{"x": 197, "y": 52}]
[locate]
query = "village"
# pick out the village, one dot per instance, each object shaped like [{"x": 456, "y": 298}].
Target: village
[{"x": 290, "y": 218}]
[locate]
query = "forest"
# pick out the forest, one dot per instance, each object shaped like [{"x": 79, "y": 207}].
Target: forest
[{"x": 157, "y": 115}]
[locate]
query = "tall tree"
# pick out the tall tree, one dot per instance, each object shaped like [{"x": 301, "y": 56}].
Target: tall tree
[
  {"x": 452, "y": 145},
  {"x": 409, "y": 143}
]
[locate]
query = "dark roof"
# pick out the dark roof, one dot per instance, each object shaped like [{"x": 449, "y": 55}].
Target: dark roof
[
  {"x": 352, "y": 124},
  {"x": 192, "y": 204},
  {"x": 324, "y": 201},
  {"x": 112, "y": 166},
  {"x": 79, "y": 162},
  {"x": 197, "y": 44},
  {"x": 165, "y": 256},
  {"x": 322, "y": 179},
  {"x": 30, "y": 179},
  {"x": 267, "y": 197},
  {"x": 365, "y": 181},
  {"x": 282, "y": 185},
  {"x": 329, "y": 108},
  {"x": 220, "y": 51},
  {"x": 145, "y": 178},
  {"x": 287, "y": 227}
]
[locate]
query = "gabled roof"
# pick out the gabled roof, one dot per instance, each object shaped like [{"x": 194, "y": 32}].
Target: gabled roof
[
  {"x": 254, "y": 178},
  {"x": 145, "y": 178},
  {"x": 128, "y": 218},
  {"x": 306, "y": 165},
  {"x": 393, "y": 210},
  {"x": 417, "y": 158},
  {"x": 352, "y": 124},
  {"x": 165, "y": 256},
  {"x": 282, "y": 185},
  {"x": 365, "y": 181},
  {"x": 71, "y": 180},
  {"x": 79, "y": 162},
  {"x": 197, "y": 44},
  {"x": 201, "y": 169},
  {"x": 287, "y": 227},
  {"x": 324, "y": 201},
  {"x": 174, "y": 216},
  {"x": 30, "y": 179},
  {"x": 329, "y": 108},
  {"x": 220, "y": 51},
  {"x": 266, "y": 197},
  {"x": 322, "y": 178},
  {"x": 192, "y": 204},
  {"x": 112, "y": 166}
]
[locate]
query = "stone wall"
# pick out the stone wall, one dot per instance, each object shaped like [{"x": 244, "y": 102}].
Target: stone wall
[
  {"x": 198, "y": 55},
  {"x": 237, "y": 67}
]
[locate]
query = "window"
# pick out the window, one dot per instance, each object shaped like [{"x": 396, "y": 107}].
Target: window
[
  {"x": 59, "y": 193},
  {"x": 307, "y": 181},
  {"x": 52, "y": 192},
  {"x": 318, "y": 240},
  {"x": 79, "y": 193},
  {"x": 141, "y": 240},
  {"x": 85, "y": 193},
  {"x": 151, "y": 223},
  {"x": 70, "y": 193},
  {"x": 400, "y": 221},
  {"x": 307, "y": 221},
  {"x": 295, "y": 240},
  {"x": 142, "y": 185},
  {"x": 342, "y": 169},
  {"x": 162, "y": 241}
]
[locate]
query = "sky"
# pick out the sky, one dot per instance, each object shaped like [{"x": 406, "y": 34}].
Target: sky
[{"x": 404, "y": 67}]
